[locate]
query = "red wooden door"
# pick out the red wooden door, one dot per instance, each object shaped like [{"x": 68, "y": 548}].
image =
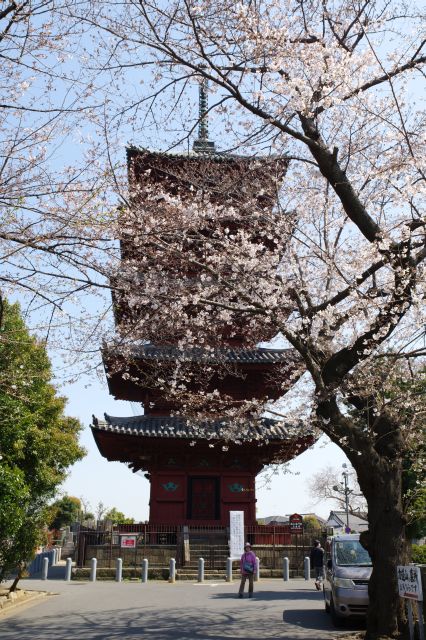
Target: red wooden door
[{"x": 203, "y": 499}]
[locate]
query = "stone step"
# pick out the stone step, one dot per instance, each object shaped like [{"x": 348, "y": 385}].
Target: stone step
[
  {"x": 207, "y": 557},
  {"x": 207, "y": 553},
  {"x": 222, "y": 570},
  {"x": 216, "y": 547},
  {"x": 206, "y": 542},
  {"x": 162, "y": 573},
  {"x": 67, "y": 550},
  {"x": 208, "y": 546},
  {"x": 207, "y": 562},
  {"x": 206, "y": 572},
  {"x": 194, "y": 561},
  {"x": 194, "y": 578},
  {"x": 211, "y": 542}
]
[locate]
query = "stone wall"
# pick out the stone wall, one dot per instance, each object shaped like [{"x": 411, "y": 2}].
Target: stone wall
[
  {"x": 158, "y": 555},
  {"x": 272, "y": 557}
]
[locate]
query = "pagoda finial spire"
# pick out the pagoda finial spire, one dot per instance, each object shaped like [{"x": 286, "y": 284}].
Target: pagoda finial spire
[
  {"x": 203, "y": 105},
  {"x": 202, "y": 144}
]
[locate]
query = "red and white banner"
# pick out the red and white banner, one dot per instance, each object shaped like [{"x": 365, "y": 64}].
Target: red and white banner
[{"x": 129, "y": 542}]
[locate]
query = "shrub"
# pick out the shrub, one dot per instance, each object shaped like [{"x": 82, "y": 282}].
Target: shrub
[{"x": 419, "y": 553}]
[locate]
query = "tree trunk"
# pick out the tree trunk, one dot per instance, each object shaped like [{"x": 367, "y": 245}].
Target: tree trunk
[
  {"x": 17, "y": 579},
  {"x": 385, "y": 541}
]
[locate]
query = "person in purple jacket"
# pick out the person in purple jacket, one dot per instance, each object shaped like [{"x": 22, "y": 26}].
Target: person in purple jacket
[{"x": 247, "y": 567}]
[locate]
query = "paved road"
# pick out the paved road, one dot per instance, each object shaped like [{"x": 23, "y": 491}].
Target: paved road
[{"x": 161, "y": 611}]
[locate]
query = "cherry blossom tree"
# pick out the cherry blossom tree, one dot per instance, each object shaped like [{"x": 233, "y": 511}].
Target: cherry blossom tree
[
  {"x": 336, "y": 267},
  {"x": 53, "y": 212}
]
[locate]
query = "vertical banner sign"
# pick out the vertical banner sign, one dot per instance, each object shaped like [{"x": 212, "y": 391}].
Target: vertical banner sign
[
  {"x": 186, "y": 549},
  {"x": 409, "y": 582},
  {"x": 236, "y": 530}
]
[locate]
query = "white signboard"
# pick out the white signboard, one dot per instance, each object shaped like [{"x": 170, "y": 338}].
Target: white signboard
[
  {"x": 186, "y": 549},
  {"x": 409, "y": 582},
  {"x": 236, "y": 529},
  {"x": 128, "y": 542}
]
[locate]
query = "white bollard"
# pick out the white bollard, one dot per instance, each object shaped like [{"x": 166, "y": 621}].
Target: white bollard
[
  {"x": 286, "y": 570},
  {"x": 68, "y": 568},
  {"x": 257, "y": 570},
  {"x": 145, "y": 570},
  {"x": 172, "y": 570},
  {"x": 229, "y": 570},
  {"x": 200, "y": 569},
  {"x": 119, "y": 570},
  {"x": 307, "y": 568},
  {"x": 45, "y": 568},
  {"x": 93, "y": 565}
]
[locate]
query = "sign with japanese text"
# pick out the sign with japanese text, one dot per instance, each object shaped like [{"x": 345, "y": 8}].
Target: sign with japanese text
[
  {"x": 186, "y": 549},
  {"x": 296, "y": 523},
  {"x": 236, "y": 531},
  {"x": 129, "y": 542},
  {"x": 409, "y": 582}
]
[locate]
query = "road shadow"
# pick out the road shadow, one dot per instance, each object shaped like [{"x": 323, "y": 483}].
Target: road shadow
[
  {"x": 319, "y": 620},
  {"x": 300, "y": 594},
  {"x": 184, "y": 623}
]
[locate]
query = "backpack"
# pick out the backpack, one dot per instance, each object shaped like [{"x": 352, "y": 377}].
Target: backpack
[{"x": 248, "y": 566}]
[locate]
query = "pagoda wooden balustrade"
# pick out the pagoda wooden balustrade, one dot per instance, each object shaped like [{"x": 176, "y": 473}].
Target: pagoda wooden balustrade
[{"x": 161, "y": 542}]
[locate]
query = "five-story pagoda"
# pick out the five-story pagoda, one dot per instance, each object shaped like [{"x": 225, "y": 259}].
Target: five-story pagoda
[{"x": 201, "y": 461}]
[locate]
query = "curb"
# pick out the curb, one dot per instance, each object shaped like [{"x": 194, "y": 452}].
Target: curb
[{"x": 21, "y": 603}]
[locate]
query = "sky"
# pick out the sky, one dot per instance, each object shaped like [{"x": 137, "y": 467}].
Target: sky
[{"x": 96, "y": 480}]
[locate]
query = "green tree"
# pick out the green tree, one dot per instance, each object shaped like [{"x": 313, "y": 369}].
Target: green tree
[
  {"x": 13, "y": 503},
  {"x": 415, "y": 498},
  {"x": 117, "y": 517},
  {"x": 312, "y": 525},
  {"x": 419, "y": 553},
  {"x": 414, "y": 469},
  {"x": 65, "y": 511},
  {"x": 37, "y": 441}
]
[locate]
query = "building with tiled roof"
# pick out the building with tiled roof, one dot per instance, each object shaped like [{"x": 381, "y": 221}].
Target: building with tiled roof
[
  {"x": 337, "y": 521},
  {"x": 199, "y": 470}
]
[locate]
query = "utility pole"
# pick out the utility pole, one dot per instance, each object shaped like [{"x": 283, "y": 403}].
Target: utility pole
[
  {"x": 344, "y": 488},
  {"x": 347, "y": 492}
]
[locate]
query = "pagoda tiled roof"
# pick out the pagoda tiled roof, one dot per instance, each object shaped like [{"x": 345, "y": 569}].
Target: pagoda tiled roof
[
  {"x": 155, "y": 426},
  {"x": 217, "y": 156},
  {"x": 225, "y": 355}
]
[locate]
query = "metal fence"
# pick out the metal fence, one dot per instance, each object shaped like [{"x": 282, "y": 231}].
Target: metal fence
[
  {"x": 130, "y": 542},
  {"x": 133, "y": 542}
]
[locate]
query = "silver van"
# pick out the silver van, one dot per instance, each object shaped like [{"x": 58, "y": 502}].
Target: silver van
[{"x": 348, "y": 570}]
